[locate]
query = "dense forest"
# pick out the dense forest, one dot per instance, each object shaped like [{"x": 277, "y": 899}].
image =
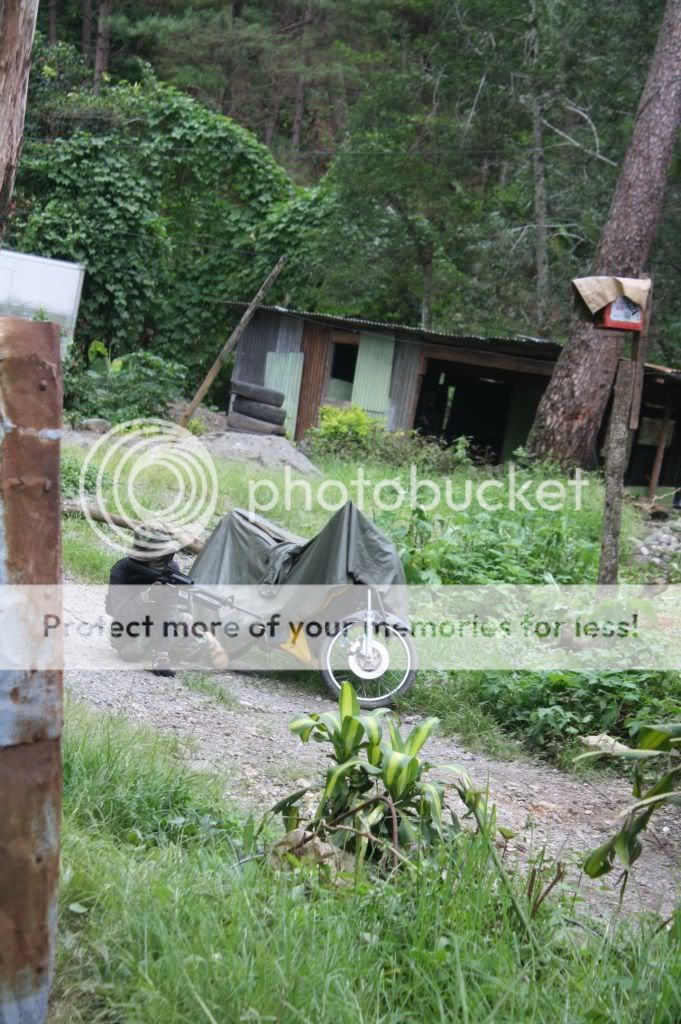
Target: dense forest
[{"x": 444, "y": 162}]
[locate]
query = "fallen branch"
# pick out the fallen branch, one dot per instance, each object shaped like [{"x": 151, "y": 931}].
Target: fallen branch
[{"x": 74, "y": 508}]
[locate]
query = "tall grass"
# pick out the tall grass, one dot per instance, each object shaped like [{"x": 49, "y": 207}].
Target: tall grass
[
  {"x": 474, "y": 544},
  {"x": 174, "y": 929}
]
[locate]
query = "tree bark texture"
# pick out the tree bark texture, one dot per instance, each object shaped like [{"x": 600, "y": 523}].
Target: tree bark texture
[
  {"x": 298, "y": 112},
  {"x": 52, "y": 22},
  {"x": 540, "y": 215},
  {"x": 427, "y": 297},
  {"x": 17, "y": 27},
  {"x": 103, "y": 43},
  {"x": 87, "y": 32},
  {"x": 572, "y": 407}
]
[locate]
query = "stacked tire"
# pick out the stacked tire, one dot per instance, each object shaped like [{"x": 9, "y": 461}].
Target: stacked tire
[{"x": 255, "y": 409}]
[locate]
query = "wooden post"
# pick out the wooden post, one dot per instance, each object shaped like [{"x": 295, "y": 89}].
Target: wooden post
[
  {"x": 615, "y": 465},
  {"x": 639, "y": 352},
  {"x": 232, "y": 340},
  {"x": 659, "y": 452},
  {"x": 30, "y": 701}
]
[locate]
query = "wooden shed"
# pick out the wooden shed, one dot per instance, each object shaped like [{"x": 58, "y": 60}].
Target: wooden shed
[{"x": 445, "y": 385}]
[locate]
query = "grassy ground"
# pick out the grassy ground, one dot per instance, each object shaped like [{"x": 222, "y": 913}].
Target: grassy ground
[
  {"x": 159, "y": 921},
  {"x": 493, "y": 712},
  {"x": 527, "y": 544}
]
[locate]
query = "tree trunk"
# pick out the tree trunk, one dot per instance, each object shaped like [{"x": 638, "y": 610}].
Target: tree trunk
[
  {"x": 572, "y": 407},
  {"x": 427, "y": 299},
  {"x": 103, "y": 43},
  {"x": 87, "y": 32},
  {"x": 273, "y": 119},
  {"x": 540, "y": 217},
  {"x": 17, "y": 27},
  {"x": 298, "y": 112},
  {"x": 52, "y": 22}
]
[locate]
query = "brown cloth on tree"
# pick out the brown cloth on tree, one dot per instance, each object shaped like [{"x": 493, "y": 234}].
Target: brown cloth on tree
[{"x": 597, "y": 292}]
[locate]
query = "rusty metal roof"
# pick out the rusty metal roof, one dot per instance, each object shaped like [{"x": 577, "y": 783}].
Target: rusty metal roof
[
  {"x": 383, "y": 325},
  {"x": 541, "y": 348}
]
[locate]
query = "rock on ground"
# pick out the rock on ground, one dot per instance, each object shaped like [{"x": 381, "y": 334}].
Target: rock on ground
[{"x": 259, "y": 449}]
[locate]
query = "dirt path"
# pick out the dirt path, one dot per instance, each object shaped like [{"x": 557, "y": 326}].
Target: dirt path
[{"x": 245, "y": 734}]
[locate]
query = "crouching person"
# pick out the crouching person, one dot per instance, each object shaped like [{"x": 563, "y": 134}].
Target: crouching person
[{"x": 141, "y": 598}]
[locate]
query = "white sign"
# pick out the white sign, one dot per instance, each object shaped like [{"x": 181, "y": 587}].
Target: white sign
[
  {"x": 625, "y": 311},
  {"x": 33, "y": 286}
]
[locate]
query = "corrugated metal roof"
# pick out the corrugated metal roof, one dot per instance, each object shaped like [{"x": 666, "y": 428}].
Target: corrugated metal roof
[
  {"x": 543, "y": 348},
  {"x": 361, "y": 323}
]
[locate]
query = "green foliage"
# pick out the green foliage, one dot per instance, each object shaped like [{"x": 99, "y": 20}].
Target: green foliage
[
  {"x": 130, "y": 387},
  {"x": 412, "y": 122},
  {"x": 657, "y": 745},
  {"x": 551, "y": 709},
  {"x": 174, "y": 928},
  {"x": 160, "y": 198},
  {"x": 377, "y": 801},
  {"x": 353, "y": 435},
  {"x": 70, "y": 475},
  {"x": 137, "y": 793},
  {"x": 518, "y": 546}
]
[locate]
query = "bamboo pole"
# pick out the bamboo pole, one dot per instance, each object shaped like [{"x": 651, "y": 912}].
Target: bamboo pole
[{"x": 232, "y": 340}]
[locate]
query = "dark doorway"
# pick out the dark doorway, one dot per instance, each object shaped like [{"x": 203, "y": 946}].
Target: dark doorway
[
  {"x": 344, "y": 362},
  {"x": 454, "y": 404},
  {"x": 644, "y": 448}
]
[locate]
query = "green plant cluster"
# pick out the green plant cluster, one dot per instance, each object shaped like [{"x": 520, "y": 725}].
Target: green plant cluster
[
  {"x": 167, "y": 913},
  {"x": 552, "y": 709},
  {"x": 656, "y": 745},
  {"x": 71, "y": 476},
  {"x": 128, "y": 387},
  {"x": 376, "y": 797},
  {"x": 352, "y": 434},
  {"x": 518, "y": 546},
  {"x": 163, "y": 200}
]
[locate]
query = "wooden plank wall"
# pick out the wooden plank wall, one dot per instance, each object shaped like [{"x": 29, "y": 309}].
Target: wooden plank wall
[
  {"x": 259, "y": 338},
  {"x": 404, "y": 385},
  {"x": 317, "y": 348}
]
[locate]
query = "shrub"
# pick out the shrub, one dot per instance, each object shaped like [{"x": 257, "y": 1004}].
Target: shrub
[
  {"x": 551, "y": 709},
  {"x": 505, "y": 547},
  {"x": 70, "y": 476},
  {"x": 129, "y": 387},
  {"x": 352, "y": 434}
]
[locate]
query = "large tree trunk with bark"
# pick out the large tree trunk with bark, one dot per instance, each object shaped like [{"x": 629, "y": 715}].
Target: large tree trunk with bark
[
  {"x": 427, "y": 296},
  {"x": 540, "y": 214},
  {"x": 17, "y": 27},
  {"x": 87, "y": 32},
  {"x": 572, "y": 407},
  {"x": 52, "y": 22},
  {"x": 103, "y": 43}
]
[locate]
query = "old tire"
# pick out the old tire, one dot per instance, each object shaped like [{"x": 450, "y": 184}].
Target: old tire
[
  {"x": 257, "y": 393},
  {"x": 249, "y": 425},
  {"x": 258, "y": 410}
]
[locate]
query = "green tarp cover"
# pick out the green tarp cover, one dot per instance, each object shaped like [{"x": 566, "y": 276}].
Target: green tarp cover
[{"x": 245, "y": 549}]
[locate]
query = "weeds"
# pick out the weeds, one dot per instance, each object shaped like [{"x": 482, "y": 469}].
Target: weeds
[{"x": 176, "y": 929}]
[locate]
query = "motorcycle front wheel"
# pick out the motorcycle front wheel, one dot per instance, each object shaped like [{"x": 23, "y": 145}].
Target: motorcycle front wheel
[{"x": 379, "y": 679}]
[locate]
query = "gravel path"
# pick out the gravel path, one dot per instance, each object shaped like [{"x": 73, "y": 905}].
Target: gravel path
[{"x": 244, "y": 733}]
